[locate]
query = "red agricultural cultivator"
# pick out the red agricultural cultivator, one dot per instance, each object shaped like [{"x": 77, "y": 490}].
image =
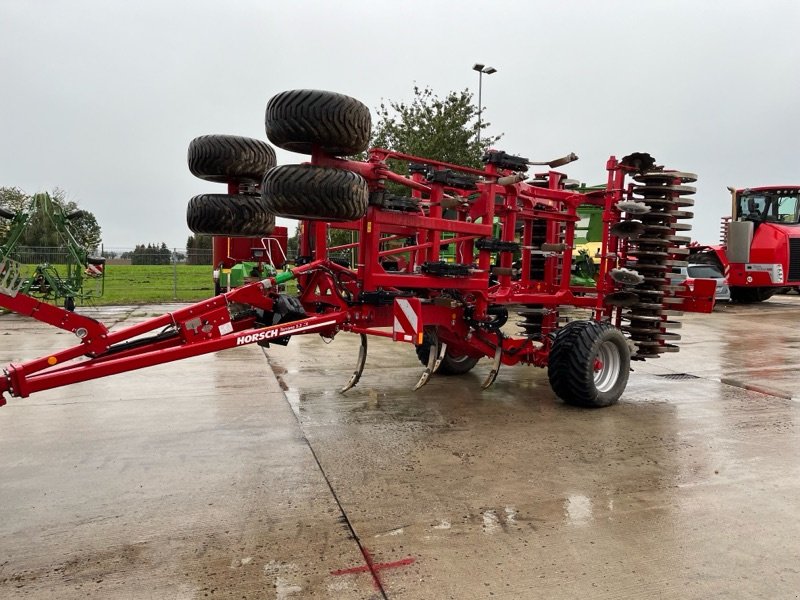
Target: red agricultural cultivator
[{"x": 441, "y": 255}]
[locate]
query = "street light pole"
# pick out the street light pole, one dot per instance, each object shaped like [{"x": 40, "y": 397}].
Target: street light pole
[{"x": 481, "y": 69}]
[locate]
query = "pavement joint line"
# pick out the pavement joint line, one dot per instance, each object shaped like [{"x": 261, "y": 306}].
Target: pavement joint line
[
  {"x": 364, "y": 553},
  {"x": 761, "y": 389}
]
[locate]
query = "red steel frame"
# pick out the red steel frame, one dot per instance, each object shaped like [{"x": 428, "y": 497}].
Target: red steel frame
[{"x": 334, "y": 295}]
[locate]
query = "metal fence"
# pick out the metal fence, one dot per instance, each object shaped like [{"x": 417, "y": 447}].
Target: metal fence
[
  {"x": 34, "y": 255},
  {"x": 133, "y": 275}
]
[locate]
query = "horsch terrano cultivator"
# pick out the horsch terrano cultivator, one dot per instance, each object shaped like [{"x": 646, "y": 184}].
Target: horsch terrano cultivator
[{"x": 508, "y": 236}]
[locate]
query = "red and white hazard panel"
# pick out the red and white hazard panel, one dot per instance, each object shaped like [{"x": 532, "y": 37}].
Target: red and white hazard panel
[{"x": 407, "y": 320}]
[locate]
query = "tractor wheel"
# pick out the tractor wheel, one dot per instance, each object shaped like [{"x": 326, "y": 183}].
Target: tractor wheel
[
  {"x": 318, "y": 193},
  {"x": 298, "y": 120},
  {"x": 452, "y": 363},
  {"x": 745, "y": 295},
  {"x": 231, "y": 215},
  {"x": 589, "y": 364},
  {"x": 229, "y": 158}
]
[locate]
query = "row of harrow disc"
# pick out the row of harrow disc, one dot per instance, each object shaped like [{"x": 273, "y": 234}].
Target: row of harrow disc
[{"x": 656, "y": 244}]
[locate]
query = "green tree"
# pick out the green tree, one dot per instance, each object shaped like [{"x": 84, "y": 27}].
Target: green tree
[
  {"x": 40, "y": 230},
  {"x": 199, "y": 249},
  {"x": 152, "y": 254},
  {"x": 292, "y": 244},
  {"x": 442, "y": 129},
  {"x": 14, "y": 200}
]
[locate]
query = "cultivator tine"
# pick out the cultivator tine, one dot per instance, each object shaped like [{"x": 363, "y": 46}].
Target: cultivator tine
[
  {"x": 362, "y": 360},
  {"x": 433, "y": 361},
  {"x": 440, "y": 356},
  {"x": 498, "y": 354}
]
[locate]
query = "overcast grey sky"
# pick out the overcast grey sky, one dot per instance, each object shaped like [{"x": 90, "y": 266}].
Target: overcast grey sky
[{"x": 102, "y": 97}]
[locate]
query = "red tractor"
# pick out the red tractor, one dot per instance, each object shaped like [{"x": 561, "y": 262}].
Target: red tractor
[
  {"x": 760, "y": 250},
  {"x": 510, "y": 238}
]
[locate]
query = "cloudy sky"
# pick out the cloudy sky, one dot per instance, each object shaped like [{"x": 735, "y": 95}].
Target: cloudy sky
[{"x": 101, "y": 97}]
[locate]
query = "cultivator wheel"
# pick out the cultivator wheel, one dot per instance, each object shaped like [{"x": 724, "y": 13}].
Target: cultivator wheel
[
  {"x": 230, "y": 158},
  {"x": 299, "y": 120},
  {"x": 589, "y": 364},
  {"x": 654, "y": 250},
  {"x": 231, "y": 215},
  {"x": 315, "y": 193}
]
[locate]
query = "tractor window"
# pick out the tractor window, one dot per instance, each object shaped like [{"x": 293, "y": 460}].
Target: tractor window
[
  {"x": 774, "y": 207},
  {"x": 788, "y": 209}
]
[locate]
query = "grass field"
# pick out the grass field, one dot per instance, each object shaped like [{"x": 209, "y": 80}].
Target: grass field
[
  {"x": 139, "y": 284},
  {"x": 146, "y": 284}
]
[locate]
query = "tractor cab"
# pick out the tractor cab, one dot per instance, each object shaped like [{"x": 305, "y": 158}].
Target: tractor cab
[{"x": 767, "y": 205}]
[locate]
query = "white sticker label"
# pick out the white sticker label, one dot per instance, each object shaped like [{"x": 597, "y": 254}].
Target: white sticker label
[{"x": 225, "y": 328}]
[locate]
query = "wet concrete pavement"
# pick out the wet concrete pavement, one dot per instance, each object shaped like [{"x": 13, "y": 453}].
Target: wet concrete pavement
[{"x": 237, "y": 475}]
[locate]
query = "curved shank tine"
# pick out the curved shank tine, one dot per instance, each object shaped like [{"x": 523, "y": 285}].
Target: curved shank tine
[
  {"x": 440, "y": 356},
  {"x": 362, "y": 360},
  {"x": 498, "y": 354},
  {"x": 433, "y": 354}
]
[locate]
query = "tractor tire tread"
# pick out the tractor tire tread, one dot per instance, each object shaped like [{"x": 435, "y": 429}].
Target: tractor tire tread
[
  {"x": 233, "y": 215},
  {"x": 229, "y": 158},
  {"x": 297, "y": 120},
  {"x": 569, "y": 366},
  {"x": 316, "y": 193}
]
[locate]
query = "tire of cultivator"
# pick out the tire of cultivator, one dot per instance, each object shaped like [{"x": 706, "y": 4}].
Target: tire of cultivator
[
  {"x": 229, "y": 215},
  {"x": 452, "y": 364},
  {"x": 316, "y": 193},
  {"x": 229, "y": 158},
  {"x": 589, "y": 364},
  {"x": 297, "y": 120}
]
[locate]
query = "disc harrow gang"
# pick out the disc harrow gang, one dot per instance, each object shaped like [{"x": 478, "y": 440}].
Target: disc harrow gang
[{"x": 653, "y": 253}]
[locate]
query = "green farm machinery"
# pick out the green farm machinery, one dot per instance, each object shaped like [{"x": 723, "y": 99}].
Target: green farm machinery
[{"x": 65, "y": 272}]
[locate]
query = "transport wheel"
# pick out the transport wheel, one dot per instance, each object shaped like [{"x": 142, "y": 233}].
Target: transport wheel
[
  {"x": 231, "y": 215},
  {"x": 297, "y": 120},
  {"x": 229, "y": 158},
  {"x": 317, "y": 193},
  {"x": 452, "y": 363},
  {"x": 744, "y": 295},
  {"x": 589, "y": 364},
  {"x": 7, "y": 214}
]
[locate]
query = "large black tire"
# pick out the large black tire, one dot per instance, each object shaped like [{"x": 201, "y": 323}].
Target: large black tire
[
  {"x": 589, "y": 364},
  {"x": 297, "y": 120},
  {"x": 452, "y": 363},
  {"x": 230, "y": 158},
  {"x": 230, "y": 215},
  {"x": 745, "y": 295},
  {"x": 7, "y": 214},
  {"x": 317, "y": 193}
]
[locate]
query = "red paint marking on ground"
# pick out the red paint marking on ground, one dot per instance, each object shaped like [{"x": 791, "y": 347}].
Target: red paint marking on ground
[{"x": 373, "y": 568}]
